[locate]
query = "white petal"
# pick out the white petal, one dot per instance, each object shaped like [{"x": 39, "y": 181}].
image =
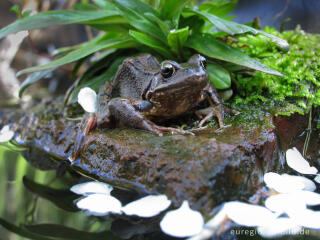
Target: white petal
[
  {"x": 309, "y": 198},
  {"x": 6, "y": 134},
  {"x": 148, "y": 206},
  {"x": 91, "y": 187},
  {"x": 87, "y": 98},
  {"x": 182, "y": 222},
  {"x": 248, "y": 215},
  {"x": 306, "y": 218},
  {"x": 296, "y": 161},
  {"x": 100, "y": 204},
  {"x": 279, "y": 227},
  {"x": 287, "y": 183},
  {"x": 317, "y": 178},
  {"x": 283, "y": 202},
  {"x": 308, "y": 184}
]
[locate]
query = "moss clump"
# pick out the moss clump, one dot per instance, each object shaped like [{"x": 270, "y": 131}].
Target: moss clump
[{"x": 300, "y": 67}]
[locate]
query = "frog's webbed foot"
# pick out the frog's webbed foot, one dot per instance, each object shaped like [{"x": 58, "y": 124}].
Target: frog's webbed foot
[
  {"x": 214, "y": 111},
  {"x": 159, "y": 130}
]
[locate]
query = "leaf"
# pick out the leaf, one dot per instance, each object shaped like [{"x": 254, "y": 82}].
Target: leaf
[
  {"x": 151, "y": 42},
  {"x": 135, "y": 12},
  {"x": 61, "y": 198},
  {"x": 21, "y": 231},
  {"x": 32, "y": 78},
  {"x": 177, "y": 38},
  {"x": 63, "y": 232},
  {"x": 219, "y": 77},
  {"x": 55, "y": 18},
  {"x": 107, "y": 41},
  {"x": 170, "y": 8},
  {"x": 219, "y": 8},
  {"x": 236, "y": 28},
  {"x": 105, "y": 4},
  {"x": 85, "y": 7},
  {"x": 207, "y": 45}
]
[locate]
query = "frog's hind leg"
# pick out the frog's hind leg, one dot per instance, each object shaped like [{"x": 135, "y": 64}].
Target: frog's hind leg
[{"x": 129, "y": 113}]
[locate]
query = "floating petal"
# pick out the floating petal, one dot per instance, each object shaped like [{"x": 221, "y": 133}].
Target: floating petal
[
  {"x": 296, "y": 161},
  {"x": 91, "y": 187},
  {"x": 182, "y": 222},
  {"x": 306, "y": 218},
  {"x": 100, "y": 204},
  {"x": 287, "y": 183},
  {"x": 279, "y": 227},
  {"x": 248, "y": 215},
  {"x": 6, "y": 134},
  {"x": 87, "y": 98},
  {"x": 148, "y": 206},
  {"x": 283, "y": 202}
]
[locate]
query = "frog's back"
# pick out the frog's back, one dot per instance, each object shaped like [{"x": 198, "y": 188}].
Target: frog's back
[{"x": 134, "y": 76}]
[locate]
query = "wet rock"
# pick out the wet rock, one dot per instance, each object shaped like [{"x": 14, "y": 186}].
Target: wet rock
[{"x": 214, "y": 166}]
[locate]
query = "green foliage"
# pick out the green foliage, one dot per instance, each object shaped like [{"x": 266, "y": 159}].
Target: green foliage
[
  {"x": 300, "y": 84},
  {"x": 168, "y": 29}
]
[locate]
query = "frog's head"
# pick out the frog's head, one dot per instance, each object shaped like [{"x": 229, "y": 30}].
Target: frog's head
[{"x": 178, "y": 86}]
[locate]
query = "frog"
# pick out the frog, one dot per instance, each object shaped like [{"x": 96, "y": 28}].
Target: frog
[{"x": 145, "y": 92}]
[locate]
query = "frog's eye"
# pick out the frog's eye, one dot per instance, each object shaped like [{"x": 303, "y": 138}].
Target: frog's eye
[
  {"x": 167, "y": 70},
  {"x": 203, "y": 62}
]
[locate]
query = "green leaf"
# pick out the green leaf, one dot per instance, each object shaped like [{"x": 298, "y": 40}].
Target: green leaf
[
  {"x": 151, "y": 42},
  {"x": 32, "y": 78},
  {"x": 63, "y": 232},
  {"x": 236, "y": 28},
  {"x": 219, "y": 77},
  {"x": 85, "y": 7},
  {"x": 177, "y": 39},
  {"x": 105, "y": 4},
  {"x": 61, "y": 198},
  {"x": 170, "y": 8},
  {"x": 219, "y": 8},
  {"x": 55, "y": 18},
  {"x": 207, "y": 45},
  {"x": 21, "y": 231},
  {"x": 138, "y": 14},
  {"x": 106, "y": 41}
]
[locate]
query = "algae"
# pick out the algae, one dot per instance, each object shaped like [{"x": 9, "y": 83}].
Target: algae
[{"x": 298, "y": 90}]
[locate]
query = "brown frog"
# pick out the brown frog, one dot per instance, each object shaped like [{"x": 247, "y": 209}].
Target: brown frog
[{"x": 144, "y": 90}]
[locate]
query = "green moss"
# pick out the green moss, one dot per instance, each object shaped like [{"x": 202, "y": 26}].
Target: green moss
[{"x": 300, "y": 67}]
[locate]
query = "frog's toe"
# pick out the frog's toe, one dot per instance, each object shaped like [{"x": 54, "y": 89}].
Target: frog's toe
[{"x": 169, "y": 129}]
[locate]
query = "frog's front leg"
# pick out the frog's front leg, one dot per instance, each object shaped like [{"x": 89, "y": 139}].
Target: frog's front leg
[
  {"x": 129, "y": 112},
  {"x": 216, "y": 108}
]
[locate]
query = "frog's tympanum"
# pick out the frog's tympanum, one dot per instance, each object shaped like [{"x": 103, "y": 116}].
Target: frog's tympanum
[{"x": 145, "y": 91}]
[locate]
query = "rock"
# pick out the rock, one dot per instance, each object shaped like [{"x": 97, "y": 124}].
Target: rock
[{"x": 214, "y": 166}]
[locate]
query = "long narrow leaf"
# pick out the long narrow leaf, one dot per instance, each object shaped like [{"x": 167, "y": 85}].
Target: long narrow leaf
[
  {"x": 135, "y": 12},
  {"x": 63, "y": 232},
  {"x": 21, "y": 231},
  {"x": 111, "y": 41},
  {"x": 209, "y": 46},
  {"x": 33, "y": 78},
  {"x": 236, "y": 28},
  {"x": 151, "y": 42},
  {"x": 170, "y": 8},
  {"x": 55, "y": 18}
]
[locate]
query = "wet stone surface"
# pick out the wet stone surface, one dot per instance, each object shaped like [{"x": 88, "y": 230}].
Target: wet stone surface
[{"x": 214, "y": 166}]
